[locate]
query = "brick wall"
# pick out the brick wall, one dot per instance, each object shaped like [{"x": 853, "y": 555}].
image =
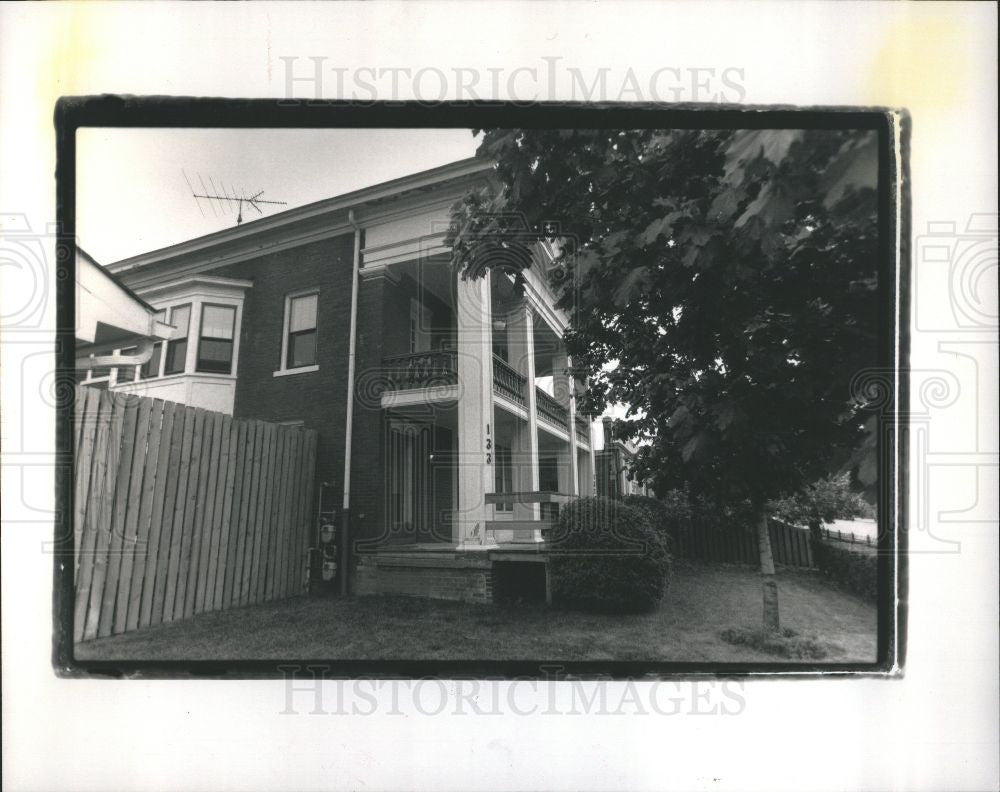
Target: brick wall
[
  {"x": 317, "y": 398},
  {"x": 447, "y": 578}
]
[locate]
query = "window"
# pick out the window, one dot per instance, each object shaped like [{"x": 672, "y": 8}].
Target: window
[
  {"x": 151, "y": 368},
  {"x": 300, "y": 321},
  {"x": 180, "y": 318},
  {"x": 126, "y": 373},
  {"x": 215, "y": 344}
]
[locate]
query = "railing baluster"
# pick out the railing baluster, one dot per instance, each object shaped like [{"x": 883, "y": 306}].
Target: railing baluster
[
  {"x": 420, "y": 370},
  {"x": 551, "y": 409},
  {"x": 507, "y": 382}
]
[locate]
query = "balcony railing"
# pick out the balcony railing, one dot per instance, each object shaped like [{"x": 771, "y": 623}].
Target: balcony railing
[
  {"x": 583, "y": 429},
  {"x": 420, "y": 370},
  {"x": 507, "y": 382},
  {"x": 550, "y": 409}
]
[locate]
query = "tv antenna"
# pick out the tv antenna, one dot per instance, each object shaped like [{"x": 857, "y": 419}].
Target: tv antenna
[{"x": 229, "y": 198}]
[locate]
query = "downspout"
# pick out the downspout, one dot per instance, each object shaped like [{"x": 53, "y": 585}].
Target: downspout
[
  {"x": 143, "y": 352},
  {"x": 351, "y": 354}
]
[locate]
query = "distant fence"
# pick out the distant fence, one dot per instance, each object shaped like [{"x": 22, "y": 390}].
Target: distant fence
[
  {"x": 848, "y": 540},
  {"x": 789, "y": 545},
  {"x": 178, "y": 511}
]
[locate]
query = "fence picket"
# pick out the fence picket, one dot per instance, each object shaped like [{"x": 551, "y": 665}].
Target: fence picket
[
  {"x": 104, "y": 515},
  {"x": 87, "y": 417},
  {"x": 130, "y": 535},
  {"x": 89, "y": 513},
  {"x": 191, "y": 419},
  {"x": 261, "y": 550},
  {"x": 116, "y": 547},
  {"x": 224, "y": 493},
  {"x": 207, "y": 499},
  {"x": 255, "y": 515},
  {"x": 156, "y": 517}
]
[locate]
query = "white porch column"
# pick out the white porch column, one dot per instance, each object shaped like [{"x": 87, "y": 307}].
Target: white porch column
[
  {"x": 593, "y": 461},
  {"x": 562, "y": 384},
  {"x": 476, "y": 432},
  {"x": 521, "y": 348}
]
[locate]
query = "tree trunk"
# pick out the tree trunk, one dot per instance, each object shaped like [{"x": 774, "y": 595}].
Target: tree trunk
[
  {"x": 770, "y": 587},
  {"x": 815, "y": 533}
]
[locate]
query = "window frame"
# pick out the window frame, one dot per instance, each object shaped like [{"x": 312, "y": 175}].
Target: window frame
[
  {"x": 169, "y": 344},
  {"x": 283, "y": 368},
  {"x": 201, "y": 337}
]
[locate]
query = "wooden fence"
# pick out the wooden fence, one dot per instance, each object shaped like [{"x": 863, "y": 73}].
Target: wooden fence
[
  {"x": 178, "y": 511},
  {"x": 789, "y": 545}
]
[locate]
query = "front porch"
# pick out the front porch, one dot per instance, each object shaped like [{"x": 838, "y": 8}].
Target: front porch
[
  {"x": 473, "y": 406},
  {"x": 478, "y": 410}
]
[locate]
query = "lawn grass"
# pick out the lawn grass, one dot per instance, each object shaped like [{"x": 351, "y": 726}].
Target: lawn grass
[{"x": 702, "y": 602}]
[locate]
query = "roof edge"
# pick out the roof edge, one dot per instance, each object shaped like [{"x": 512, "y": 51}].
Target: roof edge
[{"x": 427, "y": 178}]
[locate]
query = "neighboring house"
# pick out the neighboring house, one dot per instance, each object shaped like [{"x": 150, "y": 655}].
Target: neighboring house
[
  {"x": 445, "y": 415},
  {"x": 112, "y": 323},
  {"x": 614, "y": 459}
]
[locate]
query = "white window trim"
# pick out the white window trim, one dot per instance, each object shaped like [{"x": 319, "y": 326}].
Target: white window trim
[
  {"x": 283, "y": 370},
  {"x": 193, "y": 338}
]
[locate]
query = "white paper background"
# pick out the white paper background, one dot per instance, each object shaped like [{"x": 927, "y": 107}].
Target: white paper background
[{"x": 935, "y": 729}]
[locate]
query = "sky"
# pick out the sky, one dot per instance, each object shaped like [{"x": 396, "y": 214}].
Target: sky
[{"x": 132, "y": 195}]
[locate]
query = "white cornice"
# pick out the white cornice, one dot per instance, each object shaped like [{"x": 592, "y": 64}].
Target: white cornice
[{"x": 235, "y": 284}]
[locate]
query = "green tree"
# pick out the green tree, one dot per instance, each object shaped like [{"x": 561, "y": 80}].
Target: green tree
[{"x": 722, "y": 284}]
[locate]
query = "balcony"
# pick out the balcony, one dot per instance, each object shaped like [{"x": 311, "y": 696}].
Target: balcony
[
  {"x": 508, "y": 383},
  {"x": 582, "y": 429},
  {"x": 420, "y": 370},
  {"x": 550, "y": 409}
]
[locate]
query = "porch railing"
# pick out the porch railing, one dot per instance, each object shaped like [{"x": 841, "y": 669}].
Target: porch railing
[
  {"x": 583, "y": 429},
  {"x": 549, "y": 408},
  {"x": 420, "y": 370},
  {"x": 507, "y": 382}
]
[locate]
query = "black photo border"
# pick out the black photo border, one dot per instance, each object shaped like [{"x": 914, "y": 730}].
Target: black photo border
[{"x": 893, "y": 129}]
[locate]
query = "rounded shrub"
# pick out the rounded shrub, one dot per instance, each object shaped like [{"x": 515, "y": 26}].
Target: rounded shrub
[
  {"x": 607, "y": 556},
  {"x": 666, "y": 517}
]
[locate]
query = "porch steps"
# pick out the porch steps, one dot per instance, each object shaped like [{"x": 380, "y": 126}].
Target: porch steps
[{"x": 516, "y": 531}]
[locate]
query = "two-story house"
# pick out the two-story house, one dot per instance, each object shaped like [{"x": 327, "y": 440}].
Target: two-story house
[
  {"x": 447, "y": 424},
  {"x": 615, "y": 459}
]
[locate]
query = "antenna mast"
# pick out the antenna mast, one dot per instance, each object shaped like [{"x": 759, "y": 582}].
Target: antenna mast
[{"x": 227, "y": 201}]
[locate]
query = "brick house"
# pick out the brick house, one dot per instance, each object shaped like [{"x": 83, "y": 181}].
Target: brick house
[
  {"x": 448, "y": 434},
  {"x": 614, "y": 459}
]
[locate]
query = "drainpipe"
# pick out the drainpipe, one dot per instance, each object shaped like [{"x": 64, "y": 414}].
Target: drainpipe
[
  {"x": 143, "y": 352},
  {"x": 351, "y": 352}
]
